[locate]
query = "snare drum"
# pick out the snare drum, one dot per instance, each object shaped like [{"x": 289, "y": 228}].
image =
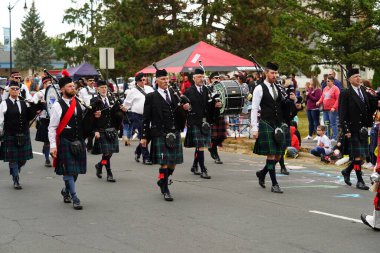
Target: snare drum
[{"x": 232, "y": 96}]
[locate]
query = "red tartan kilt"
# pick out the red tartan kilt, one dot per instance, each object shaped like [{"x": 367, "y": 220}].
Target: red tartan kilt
[{"x": 219, "y": 129}]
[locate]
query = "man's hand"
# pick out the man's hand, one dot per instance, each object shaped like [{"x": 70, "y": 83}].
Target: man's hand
[
  {"x": 97, "y": 135},
  {"x": 218, "y": 105},
  {"x": 53, "y": 152},
  {"x": 292, "y": 96},
  {"x": 332, "y": 109},
  {"x": 255, "y": 134},
  {"x": 97, "y": 114},
  {"x": 124, "y": 109},
  {"x": 186, "y": 106},
  {"x": 143, "y": 143},
  {"x": 317, "y": 103},
  {"x": 348, "y": 135}
]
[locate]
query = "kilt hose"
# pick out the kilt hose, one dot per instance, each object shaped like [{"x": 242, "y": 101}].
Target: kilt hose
[
  {"x": 11, "y": 152},
  {"x": 196, "y": 139},
  {"x": 265, "y": 144},
  {"x": 42, "y": 130},
  {"x": 160, "y": 154},
  {"x": 219, "y": 130},
  {"x": 358, "y": 147},
  {"x": 103, "y": 145},
  {"x": 67, "y": 164}
]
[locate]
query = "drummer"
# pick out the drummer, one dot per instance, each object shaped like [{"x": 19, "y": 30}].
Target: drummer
[
  {"x": 203, "y": 112},
  {"x": 43, "y": 120}
]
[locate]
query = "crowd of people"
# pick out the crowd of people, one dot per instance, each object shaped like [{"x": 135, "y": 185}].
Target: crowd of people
[{"x": 90, "y": 114}]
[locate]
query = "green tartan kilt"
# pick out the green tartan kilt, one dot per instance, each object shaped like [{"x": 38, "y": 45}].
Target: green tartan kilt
[
  {"x": 103, "y": 145},
  {"x": 358, "y": 147},
  {"x": 160, "y": 154},
  {"x": 265, "y": 144},
  {"x": 10, "y": 152},
  {"x": 67, "y": 163},
  {"x": 195, "y": 138}
]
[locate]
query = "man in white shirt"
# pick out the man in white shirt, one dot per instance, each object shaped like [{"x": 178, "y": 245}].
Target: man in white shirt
[{"x": 134, "y": 102}]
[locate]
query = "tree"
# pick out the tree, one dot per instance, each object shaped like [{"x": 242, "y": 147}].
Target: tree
[
  {"x": 33, "y": 50},
  {"x": 376, "y": 79}
]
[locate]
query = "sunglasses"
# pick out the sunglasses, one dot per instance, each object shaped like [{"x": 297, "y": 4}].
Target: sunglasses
[
  {"x": 15, "y": 88},
  {"x": 90, "y": 80},
  {"x": 17, "y": 77}
]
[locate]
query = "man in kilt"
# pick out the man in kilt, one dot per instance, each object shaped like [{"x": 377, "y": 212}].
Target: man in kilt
[
  {"x": 218, "y": 128},
  {"x": 270, "y": 132},
  {"x": 134, "y": 103},
  {"x": 43, "y": 120},
  {"x": 24, "y": 91},
  {"x": 203, "y": 111},
  {"x": 106, "y": 138},
  {"x": 67, "y": 144},
  {"x": 16, "y": 147},
  {"x": 163, "y": 126},
  {"x": 356, "y": 108}
]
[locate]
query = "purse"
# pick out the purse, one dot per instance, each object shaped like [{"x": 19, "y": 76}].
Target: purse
[
  {"x": 170, "y": 140},
  {"x": 205, "y": 128},
  {"x": 76, "y": 148},
  {"x": 20, "y": 140},
  {"x": 110, "y": 133}
]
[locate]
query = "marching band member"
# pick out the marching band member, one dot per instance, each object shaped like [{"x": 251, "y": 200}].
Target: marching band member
[
  {"x": 67, "y": 145},
  {"x": 43, "y": 120},
  {"x": 163, "y": 127},
  {"x": 24, "y": 91},
  {"x": 203, "y": 111},
  {"x": 269, "y": 132},
  {"x": 16, "y": 147}
]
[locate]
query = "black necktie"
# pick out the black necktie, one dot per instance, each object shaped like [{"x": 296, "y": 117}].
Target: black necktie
[
  {"x": 106, "y": 105},
  {"x": 200, "y": 90},
  {"x": 167, "y": 97},
  {"x": 274, "y": 92},
  {"x": 360, "y": 95}
]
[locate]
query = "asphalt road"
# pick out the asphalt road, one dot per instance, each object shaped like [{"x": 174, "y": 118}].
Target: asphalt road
[{"x": 229, "y": 213}]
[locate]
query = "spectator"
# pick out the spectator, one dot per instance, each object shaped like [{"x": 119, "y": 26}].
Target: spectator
[
  {"x": 28, "y": 82},
  {"x": 324, "y": 81},
  {"x": 323, "y": 147},
  {"x": 293, "y": 76},
  {"x": 329, "y": 100},
  {"x": 337, "y": 83},
  {"x": 35, "y": 83},
  {"x": 313, "y": 94},
  {"x": 186, "y": 83},
  {"x": 293, "y": 150}
]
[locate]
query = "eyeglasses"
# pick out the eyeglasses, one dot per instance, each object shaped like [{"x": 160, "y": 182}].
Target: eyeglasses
[
  {"x": 143, "y": 79},
  {"x": 90, "y": 80},
  {"x": 15, "y": 88},
  {"x": 17, "y": 77}
]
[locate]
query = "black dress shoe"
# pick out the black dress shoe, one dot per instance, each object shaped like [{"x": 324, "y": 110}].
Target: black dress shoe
[
  {"x": 346, "y": 177},
  {"x": 217, "y": 160},
  {"x": 66, "y": 196},
  {"x": 276, "y": 189},
  {"x": 17, "y": 186},
  {"x": 160, "y": 184},
  {"x": 261, "y": 179},
  {"x": 77, "y": 205},
  {"x": 137, "y": 158},
  {"x": 98, "y": 168},
  {"x": 147, "y": 162},
  {"x": 47, "y": 163},
  {"x": 362, "y": 186},
  {"x": 284, "y": 171},
  {"x": 168, "y": 196},
  {"x": 194, "y": 170},
  {"x": 204, "y": 174},
  {"x": 212, "y": 154},
  {"x": 110, "y": 179}
]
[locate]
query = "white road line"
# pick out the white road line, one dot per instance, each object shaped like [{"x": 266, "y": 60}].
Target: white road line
[
  {"x": 37, "y": 153},
  {"x": 336, "y": 216}
]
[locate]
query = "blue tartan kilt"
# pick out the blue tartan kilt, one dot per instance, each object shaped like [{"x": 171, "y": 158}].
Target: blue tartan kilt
[
  {"x": 218, "y": 129},
  {"x": 10, "y": 152},
  {"x": 67, "y": 163},
  {"x": 160, "y": 154},
  {"x": 195, "y": 138},
  {"x": 42, "y": 130},
  {"x": 103, "y": 145},
  {"x": 265, "y": 144},
  {"x": 358, "y": 147}
]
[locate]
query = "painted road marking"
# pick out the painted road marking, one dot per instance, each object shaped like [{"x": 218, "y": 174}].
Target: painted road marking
[
  {"x": 323, "y": 186},
  {"x": 335, "y": 216},
  {"x": 348, "y": 196},
  {"x": 294, "y": 167},
  {"x": 37, "y": 153}
]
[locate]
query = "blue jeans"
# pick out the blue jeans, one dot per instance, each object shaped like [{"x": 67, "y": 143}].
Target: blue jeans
[
  {"x": 318, "y": 151},
  {"x": 313, "y": 117},
  {"x": 292, "y": 151},
  {"x": 331, "y": 117},
  {"x": 234, "y": 119}
]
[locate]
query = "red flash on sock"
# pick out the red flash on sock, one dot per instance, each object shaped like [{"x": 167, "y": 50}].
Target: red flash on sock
[
  {"x": 356, "y": 167},
  {"x": 103, "y": 162},
  {"x": 161, "y": 176}
]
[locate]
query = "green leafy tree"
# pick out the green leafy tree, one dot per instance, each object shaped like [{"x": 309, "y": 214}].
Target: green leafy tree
[
  {"x": 376, "y": 79},
  {"x": 33, "y": 50}
]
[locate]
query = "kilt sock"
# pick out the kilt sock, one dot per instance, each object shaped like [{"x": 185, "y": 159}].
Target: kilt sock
[
  {"x": 170, "y": 171},
  {"x": 14, "y": 171},
  {"x": 46, "y": 151},
  {"x": 138, "y": 150},
  {"x": 358, "y": 170},
  {"x": 163, "y": 179},
  {"x": 271, "y": 165},
  {"x": 349, "y": 168},
  {"x": 282, "y": 162},
  {"x": 195, "y": 162},
  {"x": 201, "y": 159},
  {"x": 70, "y": 181}
]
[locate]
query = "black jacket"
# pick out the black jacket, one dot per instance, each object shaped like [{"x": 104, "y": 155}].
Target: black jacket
[
  {"x": 200, "y": 106},
  {"x": 353, "y": 113},
  {"x": 159, "y": 117}
]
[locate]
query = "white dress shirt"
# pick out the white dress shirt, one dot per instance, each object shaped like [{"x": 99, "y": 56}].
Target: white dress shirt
[
  {"x": 87, "y": 93},
  {"x": 163, "y": 94},
  {"x": 55, "y": 118},
  {"x": 256, "y": 100},
  {"x": 135, "y": 99}
]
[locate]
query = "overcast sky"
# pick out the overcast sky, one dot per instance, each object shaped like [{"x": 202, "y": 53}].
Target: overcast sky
[{"x": 51, "y": 12}]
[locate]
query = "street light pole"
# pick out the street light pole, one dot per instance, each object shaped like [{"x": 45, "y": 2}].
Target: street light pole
[{"x": 10, "y": 8}]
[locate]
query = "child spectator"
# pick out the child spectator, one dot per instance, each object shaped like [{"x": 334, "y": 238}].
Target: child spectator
[
  {"x": 323, "y": 147},
  {"x": 293, "y": 150}
]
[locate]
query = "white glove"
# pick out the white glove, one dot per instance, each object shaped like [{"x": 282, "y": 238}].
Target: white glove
[{"x": 375, "y": 177}]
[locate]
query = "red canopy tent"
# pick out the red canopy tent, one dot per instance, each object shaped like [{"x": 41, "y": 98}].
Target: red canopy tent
[{"x": 213, "y": 59}]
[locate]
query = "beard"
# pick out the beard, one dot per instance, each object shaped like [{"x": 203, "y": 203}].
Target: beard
[{"x": 70, "y": 94}]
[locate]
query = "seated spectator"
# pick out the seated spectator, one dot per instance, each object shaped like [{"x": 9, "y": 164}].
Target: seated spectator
[
  {"x": 323, "y": 147},
  {"x": 293, "y": 150}
]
